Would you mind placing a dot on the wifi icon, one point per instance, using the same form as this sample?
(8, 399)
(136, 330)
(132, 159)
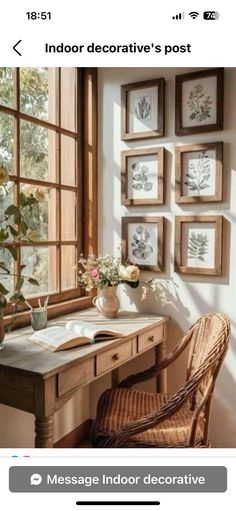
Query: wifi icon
(194, 14)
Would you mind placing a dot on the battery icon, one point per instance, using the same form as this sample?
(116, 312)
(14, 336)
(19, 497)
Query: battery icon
(210, 15)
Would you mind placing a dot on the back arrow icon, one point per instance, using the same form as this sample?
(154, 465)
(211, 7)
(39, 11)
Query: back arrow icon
(14, 47)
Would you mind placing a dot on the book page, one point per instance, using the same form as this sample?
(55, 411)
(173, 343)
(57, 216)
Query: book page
(90, 330)
(54, 336)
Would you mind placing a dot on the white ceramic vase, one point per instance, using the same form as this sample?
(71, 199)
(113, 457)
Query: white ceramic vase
(107, 302)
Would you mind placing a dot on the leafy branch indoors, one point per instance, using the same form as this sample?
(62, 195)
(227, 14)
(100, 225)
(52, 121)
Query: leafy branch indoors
(14, 228)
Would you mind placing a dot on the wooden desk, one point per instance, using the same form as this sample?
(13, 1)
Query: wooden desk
(40, 382)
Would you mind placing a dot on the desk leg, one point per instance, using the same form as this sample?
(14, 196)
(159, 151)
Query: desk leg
(44, 431)
(161, 380)
(114, 378)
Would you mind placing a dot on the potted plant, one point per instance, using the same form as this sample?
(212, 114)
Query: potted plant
(14, 227)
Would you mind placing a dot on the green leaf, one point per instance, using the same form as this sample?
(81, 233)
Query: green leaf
(23, 227)
(32, 281)
(17, 218)
(3, 235)
(4, 267)
(19, 283)
(12, 230)
(17, 297)
(12, 251)
(11, 210)
(3, 290)
(22, 199)
(3, 301)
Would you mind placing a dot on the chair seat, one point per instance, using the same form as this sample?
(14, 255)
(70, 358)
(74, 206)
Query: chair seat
(118, 407)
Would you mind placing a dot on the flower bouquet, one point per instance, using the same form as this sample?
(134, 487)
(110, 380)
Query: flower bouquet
(105, 273)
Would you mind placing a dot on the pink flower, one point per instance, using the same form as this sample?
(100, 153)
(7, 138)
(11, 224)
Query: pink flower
(94, 273)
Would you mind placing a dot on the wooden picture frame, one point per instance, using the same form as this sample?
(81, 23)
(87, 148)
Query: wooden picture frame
(199, 102)
(199, 173)
(142, 109)
(198, 239)
(143, 242)
(142, 175)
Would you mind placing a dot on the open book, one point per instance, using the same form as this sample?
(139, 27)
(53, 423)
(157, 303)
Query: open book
(74, 333)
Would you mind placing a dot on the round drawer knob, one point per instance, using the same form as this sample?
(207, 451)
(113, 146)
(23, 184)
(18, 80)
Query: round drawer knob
(151, 338)
(115, 357)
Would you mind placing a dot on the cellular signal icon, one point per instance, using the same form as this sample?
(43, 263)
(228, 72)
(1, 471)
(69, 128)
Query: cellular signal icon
(179, 16)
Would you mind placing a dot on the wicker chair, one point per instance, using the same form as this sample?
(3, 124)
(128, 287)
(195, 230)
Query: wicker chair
(131, 418)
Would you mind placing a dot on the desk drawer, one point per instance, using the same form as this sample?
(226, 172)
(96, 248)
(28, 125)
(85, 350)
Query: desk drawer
(74, 377)
(113, 357)
(152, 337)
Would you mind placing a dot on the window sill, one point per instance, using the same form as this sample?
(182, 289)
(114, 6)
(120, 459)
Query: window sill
(59, 309)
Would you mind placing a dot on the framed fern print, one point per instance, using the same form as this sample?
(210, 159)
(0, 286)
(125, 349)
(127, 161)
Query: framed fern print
(142, 242)
(142, 174)
(199, 103)
(198, 244)
(142, 109)
(198, 173)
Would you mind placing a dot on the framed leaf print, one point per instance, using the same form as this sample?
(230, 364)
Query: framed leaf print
(142, 109)
(198, 244)
(142, 242)
(142, 176)
(199, 103)
(198, 173)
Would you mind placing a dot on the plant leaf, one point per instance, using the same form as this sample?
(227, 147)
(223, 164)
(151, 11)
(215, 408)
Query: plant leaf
(12, 230)
(12, 251)
(11, 210)
(4, 267)
(17, 217)
(19, 283)
(3, 301)
(3, 290)
(32, 281)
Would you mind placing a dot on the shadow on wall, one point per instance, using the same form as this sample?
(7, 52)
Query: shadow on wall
(162, 297)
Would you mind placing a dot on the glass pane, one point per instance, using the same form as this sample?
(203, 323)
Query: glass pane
(7, 86)
(6, 142)
(5, 279)
(68, 98)
(37, 152)
(40, 264)
(68, 215)
(42, 218)
(68, 160)
(38, 97)
(68, 268)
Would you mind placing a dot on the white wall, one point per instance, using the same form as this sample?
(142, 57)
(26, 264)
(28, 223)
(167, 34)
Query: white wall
(183, 298)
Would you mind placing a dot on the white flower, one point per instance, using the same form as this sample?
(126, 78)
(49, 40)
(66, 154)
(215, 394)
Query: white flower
(130, 272)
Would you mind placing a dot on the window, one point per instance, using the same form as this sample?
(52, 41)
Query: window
(41, 145)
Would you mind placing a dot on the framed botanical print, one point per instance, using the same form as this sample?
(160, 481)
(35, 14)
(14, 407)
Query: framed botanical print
(142, 176)
(198, 244)
(142, 242)
(199, 102)
(142, 109)
(198, 173)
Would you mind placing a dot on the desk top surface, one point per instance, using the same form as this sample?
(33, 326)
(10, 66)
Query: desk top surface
(26, 357)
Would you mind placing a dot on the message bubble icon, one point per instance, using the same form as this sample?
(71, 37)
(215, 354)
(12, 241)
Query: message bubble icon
(36, 479)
